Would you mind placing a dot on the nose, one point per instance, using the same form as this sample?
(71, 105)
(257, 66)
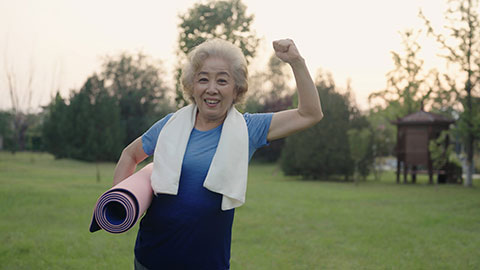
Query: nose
(212, 89)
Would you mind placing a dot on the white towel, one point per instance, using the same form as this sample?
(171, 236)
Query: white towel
(228, 171)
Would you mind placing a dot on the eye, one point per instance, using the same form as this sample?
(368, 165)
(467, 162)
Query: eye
(222, 81)
(203, 80)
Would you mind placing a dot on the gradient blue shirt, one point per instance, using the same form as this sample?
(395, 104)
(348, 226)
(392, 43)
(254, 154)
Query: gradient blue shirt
(189, 230)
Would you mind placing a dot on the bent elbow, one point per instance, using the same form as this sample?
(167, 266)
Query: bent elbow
(318, 117)
(312, 118)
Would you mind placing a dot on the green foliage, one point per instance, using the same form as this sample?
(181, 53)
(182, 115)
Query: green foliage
(360, 142)
(322, 150)
(462, 51)
(56, 122)
(5, 123)
(408, 87)
(444, 158)
(18, 124)
(107, 144)
(135, 81)
(384, 137)
(227, 20)
(111, 110)
(441, 151)
(384, 133)
(6, 130)
(89, 128)
(469, 121)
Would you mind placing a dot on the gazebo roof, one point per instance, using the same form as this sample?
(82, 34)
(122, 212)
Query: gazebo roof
(423, 118)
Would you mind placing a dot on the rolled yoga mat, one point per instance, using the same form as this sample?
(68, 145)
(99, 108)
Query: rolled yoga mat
(119, 208)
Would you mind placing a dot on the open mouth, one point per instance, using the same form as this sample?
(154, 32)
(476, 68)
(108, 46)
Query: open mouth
(211, 102)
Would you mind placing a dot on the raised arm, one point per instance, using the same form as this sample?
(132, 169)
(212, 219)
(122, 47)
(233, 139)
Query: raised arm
(131, 156)
(309, 111)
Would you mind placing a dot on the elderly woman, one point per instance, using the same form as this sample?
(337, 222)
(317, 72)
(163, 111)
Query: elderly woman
(201, 155)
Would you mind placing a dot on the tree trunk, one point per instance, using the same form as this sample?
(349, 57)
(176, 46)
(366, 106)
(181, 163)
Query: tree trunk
(469, 180)
(468, 88)
(98, 172)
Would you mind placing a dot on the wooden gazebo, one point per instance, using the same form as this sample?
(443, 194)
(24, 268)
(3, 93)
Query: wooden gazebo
(414, 133)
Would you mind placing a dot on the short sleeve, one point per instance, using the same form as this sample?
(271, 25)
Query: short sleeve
(150, 137)
(258, 125)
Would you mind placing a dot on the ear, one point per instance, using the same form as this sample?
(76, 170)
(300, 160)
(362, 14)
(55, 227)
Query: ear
(235, 94)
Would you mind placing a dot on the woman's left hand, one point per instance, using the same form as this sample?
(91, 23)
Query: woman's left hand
(309, 110)
(286, 50)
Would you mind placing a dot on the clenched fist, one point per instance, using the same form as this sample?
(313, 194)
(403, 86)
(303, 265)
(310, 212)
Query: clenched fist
(286, 50)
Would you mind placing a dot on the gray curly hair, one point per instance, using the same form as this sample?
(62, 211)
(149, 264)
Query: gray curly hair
(224, 50)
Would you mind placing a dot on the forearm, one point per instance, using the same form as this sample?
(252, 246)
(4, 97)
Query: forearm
(125, 167)
(308, 99)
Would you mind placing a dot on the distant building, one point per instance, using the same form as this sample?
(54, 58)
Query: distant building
(414, 133)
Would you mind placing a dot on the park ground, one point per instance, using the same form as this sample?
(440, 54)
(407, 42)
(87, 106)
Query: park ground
(286, 223)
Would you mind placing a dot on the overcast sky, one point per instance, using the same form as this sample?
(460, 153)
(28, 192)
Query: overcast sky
(63, 41)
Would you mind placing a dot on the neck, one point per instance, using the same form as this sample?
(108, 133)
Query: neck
(204, 123)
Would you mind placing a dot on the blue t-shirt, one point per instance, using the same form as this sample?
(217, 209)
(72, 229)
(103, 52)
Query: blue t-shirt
(189, 230)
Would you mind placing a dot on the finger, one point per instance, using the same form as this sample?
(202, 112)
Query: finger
(281, 45)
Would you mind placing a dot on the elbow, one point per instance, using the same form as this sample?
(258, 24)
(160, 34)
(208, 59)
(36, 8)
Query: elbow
(317, 117)
(320, 116)
(128, 155)
(125, 154)
(312, 117)
(314, 114)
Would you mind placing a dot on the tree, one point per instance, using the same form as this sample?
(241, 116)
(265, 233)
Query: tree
(89, 128)
(6, 129)
(55, 127)
(359, 142)
(111, 109)
(227, 20)
(135, 81)
(384, 137)
(408, 87)
(98, 131)
(21, 100)
(322, 150)
(462, 50)
(444, 158)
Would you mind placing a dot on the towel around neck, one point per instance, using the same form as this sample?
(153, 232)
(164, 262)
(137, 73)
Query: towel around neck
(228, 171)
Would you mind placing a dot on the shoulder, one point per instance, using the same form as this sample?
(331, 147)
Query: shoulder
(161, 123)
(258, 125)
(149, 138)
(255, 119)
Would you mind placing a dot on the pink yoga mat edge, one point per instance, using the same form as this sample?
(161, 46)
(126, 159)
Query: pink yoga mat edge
(134, 195)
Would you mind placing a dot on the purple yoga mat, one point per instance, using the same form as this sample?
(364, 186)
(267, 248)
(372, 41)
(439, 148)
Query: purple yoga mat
(119, 208)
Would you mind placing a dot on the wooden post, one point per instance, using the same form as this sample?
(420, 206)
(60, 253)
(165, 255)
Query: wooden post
(398, 170)
(414, 174)
(430, 172)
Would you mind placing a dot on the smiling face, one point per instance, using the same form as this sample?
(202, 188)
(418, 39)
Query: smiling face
(213, 91)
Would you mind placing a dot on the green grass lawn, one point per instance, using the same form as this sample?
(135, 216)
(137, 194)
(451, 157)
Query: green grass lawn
(287, 223)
